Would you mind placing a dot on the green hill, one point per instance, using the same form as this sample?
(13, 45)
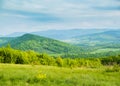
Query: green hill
(41, 44)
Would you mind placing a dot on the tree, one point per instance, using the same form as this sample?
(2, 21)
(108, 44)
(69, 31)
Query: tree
(59, 61)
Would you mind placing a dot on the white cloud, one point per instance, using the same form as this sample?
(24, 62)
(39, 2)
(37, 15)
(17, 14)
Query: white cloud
(73, 13)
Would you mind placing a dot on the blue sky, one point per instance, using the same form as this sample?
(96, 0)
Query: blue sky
(37, 15)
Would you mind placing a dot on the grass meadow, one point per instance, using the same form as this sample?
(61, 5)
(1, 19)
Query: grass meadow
(38, 75)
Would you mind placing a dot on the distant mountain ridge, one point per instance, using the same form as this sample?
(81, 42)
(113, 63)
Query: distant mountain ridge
(98, 39)
(61, 34)
(16, 34)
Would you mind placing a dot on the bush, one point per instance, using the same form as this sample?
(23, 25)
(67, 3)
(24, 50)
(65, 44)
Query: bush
(115, 68)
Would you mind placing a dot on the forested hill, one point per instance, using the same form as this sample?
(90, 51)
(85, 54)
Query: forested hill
(41, 44)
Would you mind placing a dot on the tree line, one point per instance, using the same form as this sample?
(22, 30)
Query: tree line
(10, 55)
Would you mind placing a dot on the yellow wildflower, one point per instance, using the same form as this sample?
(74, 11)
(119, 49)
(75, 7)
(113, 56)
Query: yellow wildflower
(41, 76)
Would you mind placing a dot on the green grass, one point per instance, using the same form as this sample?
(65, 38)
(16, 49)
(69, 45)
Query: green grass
(27, 75)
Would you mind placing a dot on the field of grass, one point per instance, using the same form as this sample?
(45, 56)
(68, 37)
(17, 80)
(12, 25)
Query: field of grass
(37, 75)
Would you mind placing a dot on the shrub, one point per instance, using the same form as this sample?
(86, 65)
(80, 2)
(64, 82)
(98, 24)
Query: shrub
(115, 68)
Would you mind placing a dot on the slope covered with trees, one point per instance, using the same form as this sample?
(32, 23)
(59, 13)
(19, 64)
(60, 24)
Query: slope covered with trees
(5, 39)
(41, 44)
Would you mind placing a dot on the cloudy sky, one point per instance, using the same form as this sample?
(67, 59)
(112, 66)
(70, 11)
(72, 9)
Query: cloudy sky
(36, 15)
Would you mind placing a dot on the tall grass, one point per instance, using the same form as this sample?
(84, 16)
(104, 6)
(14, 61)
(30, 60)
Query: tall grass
(37, 75)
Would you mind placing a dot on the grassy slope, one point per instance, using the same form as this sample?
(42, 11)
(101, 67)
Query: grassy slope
(25, 75)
